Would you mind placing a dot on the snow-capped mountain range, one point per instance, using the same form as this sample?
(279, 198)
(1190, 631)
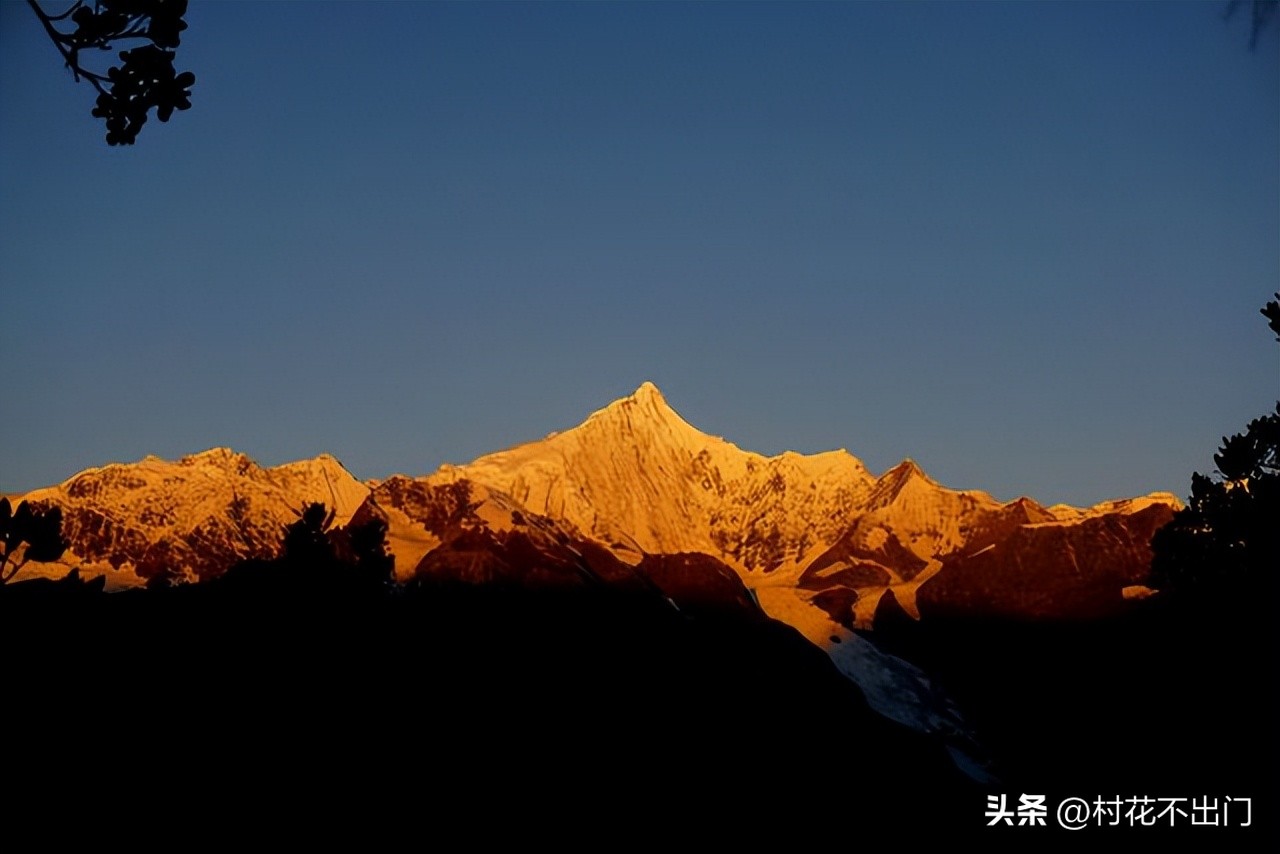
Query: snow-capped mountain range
(637, 479)
(821, 542)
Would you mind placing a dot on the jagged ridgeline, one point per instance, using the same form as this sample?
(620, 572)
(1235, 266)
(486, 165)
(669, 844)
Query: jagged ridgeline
(820, 540)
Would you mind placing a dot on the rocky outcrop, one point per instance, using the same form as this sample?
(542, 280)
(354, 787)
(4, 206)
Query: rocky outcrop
(1059, 570)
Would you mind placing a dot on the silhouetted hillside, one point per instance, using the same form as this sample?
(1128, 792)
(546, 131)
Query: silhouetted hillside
(1171, 699)
(569, 699)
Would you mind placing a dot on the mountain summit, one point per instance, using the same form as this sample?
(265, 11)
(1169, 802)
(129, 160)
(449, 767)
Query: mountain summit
(638, 477)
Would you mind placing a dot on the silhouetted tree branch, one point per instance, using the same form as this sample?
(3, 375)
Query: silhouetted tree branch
(1260, 14)
(145, 79)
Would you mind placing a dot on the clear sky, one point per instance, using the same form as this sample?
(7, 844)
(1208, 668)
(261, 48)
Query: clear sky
(1024, 244)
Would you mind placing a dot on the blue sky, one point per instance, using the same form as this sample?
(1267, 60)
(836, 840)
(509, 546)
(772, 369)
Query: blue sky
(1024, 244)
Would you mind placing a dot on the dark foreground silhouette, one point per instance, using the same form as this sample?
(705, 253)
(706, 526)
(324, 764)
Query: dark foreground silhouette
(310, 695)
(494, 709)
(1174, 698)
(346, 704)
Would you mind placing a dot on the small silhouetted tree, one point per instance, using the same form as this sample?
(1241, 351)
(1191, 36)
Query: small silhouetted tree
(1227, 538)
(145, 79)
(363, 547)
(30, 533)
(315, 557)
(306, 541)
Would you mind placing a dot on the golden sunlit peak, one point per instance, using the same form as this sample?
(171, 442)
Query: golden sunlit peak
(647, 398)
(907, 467)
(647, 391)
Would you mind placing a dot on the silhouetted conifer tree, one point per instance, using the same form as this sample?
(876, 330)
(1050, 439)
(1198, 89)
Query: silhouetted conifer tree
(306, 541)
(1227, 539)
(316, 558)
(364, 548)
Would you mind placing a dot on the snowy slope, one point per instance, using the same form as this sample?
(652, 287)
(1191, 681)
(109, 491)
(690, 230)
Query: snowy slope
(190, 518)
(639, 478)
(467, 533)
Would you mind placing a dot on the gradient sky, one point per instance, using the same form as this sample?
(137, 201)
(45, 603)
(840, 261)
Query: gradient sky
(1024, 244)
